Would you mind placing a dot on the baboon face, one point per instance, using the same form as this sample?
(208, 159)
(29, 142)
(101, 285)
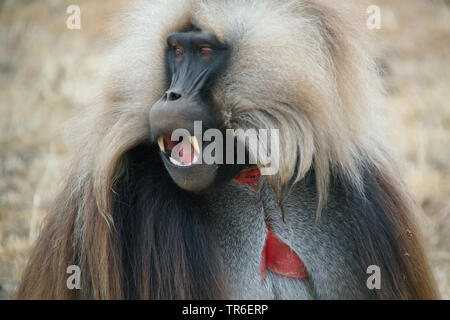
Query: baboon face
(194, 59)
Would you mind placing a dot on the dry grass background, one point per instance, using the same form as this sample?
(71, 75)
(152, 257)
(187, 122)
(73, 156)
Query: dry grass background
(47, 74)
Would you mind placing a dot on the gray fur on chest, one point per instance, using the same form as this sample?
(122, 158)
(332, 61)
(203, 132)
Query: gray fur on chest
(237, 217)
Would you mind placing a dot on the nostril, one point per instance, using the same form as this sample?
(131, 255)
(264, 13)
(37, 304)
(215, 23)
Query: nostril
(172, 96)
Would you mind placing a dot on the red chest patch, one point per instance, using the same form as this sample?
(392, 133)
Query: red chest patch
(276, 255)
(279, 258)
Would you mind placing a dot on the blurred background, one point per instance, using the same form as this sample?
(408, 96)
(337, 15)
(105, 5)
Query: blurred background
(48, 74)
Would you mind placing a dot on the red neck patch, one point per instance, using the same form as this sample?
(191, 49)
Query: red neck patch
(249, 176)
(276, 255)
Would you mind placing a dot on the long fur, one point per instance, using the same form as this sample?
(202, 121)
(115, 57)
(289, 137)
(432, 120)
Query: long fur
(387, 237)
(299, 66)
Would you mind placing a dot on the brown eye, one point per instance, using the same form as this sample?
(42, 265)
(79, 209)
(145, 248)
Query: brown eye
(205, 50)
(179, 51)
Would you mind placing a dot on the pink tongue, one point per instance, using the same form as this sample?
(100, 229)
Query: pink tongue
(186, 152)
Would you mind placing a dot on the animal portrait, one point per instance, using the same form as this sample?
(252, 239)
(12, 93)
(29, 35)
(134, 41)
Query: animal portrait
(141, 219)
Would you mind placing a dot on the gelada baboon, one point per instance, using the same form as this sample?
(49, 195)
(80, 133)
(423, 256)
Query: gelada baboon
(142, 224)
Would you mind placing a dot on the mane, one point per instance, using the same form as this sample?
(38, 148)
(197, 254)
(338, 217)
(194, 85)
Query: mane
(325, 100)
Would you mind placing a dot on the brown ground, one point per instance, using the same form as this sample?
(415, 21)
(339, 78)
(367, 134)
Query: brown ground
(47, 73)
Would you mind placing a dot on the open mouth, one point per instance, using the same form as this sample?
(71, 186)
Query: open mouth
(182, 153)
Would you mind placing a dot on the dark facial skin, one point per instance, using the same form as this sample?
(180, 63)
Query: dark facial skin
(194, 60)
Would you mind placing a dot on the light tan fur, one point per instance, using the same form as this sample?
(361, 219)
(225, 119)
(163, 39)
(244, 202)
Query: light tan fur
(298, 66)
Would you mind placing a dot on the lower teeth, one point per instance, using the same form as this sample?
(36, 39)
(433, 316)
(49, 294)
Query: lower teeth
(175, 162)
(180, 164)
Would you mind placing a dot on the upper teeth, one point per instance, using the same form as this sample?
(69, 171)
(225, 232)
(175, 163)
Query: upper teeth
(194, 142)
(161, 144)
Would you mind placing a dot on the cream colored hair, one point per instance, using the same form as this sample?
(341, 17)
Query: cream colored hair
(297, 66)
